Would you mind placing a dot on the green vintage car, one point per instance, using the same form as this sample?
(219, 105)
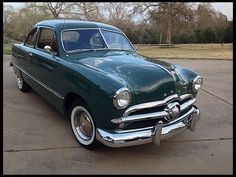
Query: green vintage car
(112, 95)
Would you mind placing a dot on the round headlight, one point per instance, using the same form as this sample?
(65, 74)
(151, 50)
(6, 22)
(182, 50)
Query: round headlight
(197, 83)
(122, 98)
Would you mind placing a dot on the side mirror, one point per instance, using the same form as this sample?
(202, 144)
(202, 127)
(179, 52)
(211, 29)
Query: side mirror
(48, 49)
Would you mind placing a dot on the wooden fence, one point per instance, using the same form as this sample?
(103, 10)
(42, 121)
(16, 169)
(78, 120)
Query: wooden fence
(194, 46)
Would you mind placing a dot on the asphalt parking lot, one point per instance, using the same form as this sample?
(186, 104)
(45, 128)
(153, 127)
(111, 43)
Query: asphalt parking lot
(37, 139)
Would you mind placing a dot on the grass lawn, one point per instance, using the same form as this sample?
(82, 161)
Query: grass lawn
(183, 51)
(7, 47)
(6, 50)
(188, 51)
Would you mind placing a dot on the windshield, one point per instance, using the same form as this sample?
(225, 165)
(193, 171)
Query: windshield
(90, 39)
(82, 39)
(116, 40)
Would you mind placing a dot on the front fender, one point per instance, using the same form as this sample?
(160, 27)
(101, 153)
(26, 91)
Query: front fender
(97, 89)
(185, 77)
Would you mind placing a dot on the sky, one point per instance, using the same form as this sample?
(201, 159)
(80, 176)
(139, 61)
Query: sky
(224, 7)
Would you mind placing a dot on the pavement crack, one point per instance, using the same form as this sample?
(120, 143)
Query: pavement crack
(213, 139)
(40, 149)
(56, 148)
(217, 97)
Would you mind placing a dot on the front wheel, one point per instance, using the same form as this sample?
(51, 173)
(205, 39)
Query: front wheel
(83, 126)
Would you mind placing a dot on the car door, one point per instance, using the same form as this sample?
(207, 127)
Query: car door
(42, 63)
(25, 54)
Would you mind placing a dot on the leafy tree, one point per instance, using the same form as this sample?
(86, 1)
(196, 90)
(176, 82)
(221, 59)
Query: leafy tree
(208, 36)
(228, 37)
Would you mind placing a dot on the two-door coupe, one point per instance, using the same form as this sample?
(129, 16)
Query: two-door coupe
(92, 73)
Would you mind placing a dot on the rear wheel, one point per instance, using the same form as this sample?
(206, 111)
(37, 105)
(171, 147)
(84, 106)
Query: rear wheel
(82, 125)
(21, 84)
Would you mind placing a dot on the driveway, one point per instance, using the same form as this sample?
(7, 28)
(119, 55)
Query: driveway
(37, 139)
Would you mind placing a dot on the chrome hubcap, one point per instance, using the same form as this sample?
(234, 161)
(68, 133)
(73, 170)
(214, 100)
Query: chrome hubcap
(83, 124)
(19, 82)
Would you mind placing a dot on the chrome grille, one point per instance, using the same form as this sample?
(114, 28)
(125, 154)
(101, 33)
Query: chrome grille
(149, 113)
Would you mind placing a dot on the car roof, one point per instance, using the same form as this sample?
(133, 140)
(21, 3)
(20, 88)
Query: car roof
(70, 24)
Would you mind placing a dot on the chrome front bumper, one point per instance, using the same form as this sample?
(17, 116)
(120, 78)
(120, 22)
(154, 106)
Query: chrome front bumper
(123, 138)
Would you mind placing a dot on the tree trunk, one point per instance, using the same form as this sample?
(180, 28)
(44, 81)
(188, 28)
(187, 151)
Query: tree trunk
(55, 15)
(168, 31)
(169, 23)
(160, 38)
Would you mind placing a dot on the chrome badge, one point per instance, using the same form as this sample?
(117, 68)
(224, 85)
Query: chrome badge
(173, 110)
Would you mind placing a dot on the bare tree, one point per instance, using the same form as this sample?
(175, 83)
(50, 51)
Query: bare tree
(87, 11)
(7, 11)
(118, 13)
(166, 12)
(58, 8)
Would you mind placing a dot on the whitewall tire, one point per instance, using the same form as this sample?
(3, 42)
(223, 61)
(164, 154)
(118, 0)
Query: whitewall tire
(82, 125)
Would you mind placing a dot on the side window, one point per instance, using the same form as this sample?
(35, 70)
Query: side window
(31, 38)
(47, 37)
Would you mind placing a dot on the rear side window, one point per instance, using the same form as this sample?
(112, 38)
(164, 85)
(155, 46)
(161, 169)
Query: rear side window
(47, 37)
(31, 38)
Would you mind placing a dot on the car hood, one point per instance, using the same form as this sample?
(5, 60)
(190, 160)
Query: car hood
(148, 79)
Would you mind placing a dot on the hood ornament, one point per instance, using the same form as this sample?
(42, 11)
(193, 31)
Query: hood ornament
(177, 76)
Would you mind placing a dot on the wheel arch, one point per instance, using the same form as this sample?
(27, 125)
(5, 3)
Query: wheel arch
(70, 98)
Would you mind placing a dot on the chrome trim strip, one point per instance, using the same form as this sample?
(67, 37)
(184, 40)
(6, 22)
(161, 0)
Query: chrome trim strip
(42, 84)
(123, 140)
(143, 106)
(149, 105)
(155, 134)
(187, 104)
(133, 130)
(185, 96)
(140, 117)
(162, 67)
(103, 37)
(171, 97)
